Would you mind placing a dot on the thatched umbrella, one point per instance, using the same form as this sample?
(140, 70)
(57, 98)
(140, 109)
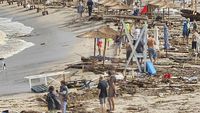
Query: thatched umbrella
(108, 3)
(111, 34)
(120, 7)
(111, 4)
(107, 29)
(95, 34)
(103, 2)
(154, 1)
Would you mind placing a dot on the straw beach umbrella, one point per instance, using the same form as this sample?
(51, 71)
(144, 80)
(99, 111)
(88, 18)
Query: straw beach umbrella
(111, 34)
(112, 4)
(103, 2)
(120, 7)
(108, 3)
(95, 34)
(107, 29)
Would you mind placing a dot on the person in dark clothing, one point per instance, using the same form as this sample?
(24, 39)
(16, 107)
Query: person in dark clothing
(139, 50)
(52, 100)
(102, 86)
(118, 43)
(111, 90)
(90, 5)
(128, 53)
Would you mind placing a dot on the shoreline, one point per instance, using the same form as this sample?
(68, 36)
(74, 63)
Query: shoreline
(53, 55)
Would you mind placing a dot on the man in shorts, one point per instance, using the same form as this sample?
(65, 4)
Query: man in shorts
(151, 50)
(102, 86)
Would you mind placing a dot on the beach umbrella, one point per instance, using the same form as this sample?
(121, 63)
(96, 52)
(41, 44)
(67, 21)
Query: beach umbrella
(93, 34)
(109, 31)
(97, 34)
(120, 7)
(166, 38)
(112, 4)
(108, 3)
(111, 34)
(103, 2)
(152, 2)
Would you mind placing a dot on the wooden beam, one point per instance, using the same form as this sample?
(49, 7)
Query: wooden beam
(126, 17)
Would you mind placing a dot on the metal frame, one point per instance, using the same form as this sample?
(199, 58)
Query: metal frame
(134, 55)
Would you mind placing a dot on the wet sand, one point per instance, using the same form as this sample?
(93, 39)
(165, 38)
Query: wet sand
(59, 46)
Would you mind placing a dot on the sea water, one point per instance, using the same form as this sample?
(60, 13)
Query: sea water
(11, 37)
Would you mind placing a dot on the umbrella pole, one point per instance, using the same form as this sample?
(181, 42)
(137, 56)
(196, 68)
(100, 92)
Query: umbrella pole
(95, 46)
(104, 51)
(166, 52)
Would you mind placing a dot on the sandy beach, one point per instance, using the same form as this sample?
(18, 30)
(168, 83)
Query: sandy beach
(60, 46)
(56, 46)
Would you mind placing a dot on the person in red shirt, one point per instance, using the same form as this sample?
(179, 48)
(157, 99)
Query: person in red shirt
(99, 45)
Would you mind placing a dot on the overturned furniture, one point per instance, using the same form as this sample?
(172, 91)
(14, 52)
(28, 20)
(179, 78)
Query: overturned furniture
(41, 86)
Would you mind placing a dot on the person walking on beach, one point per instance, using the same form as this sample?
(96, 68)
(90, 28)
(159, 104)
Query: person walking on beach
(99, 45)
(52, 101)
(186, 30)
(128, 53)
(63, 96)
(118, 43)
(80, 8)
(195, 26)
(102, 86)
(3, 65)
(90, 6)
(111, 91)
(151, 48)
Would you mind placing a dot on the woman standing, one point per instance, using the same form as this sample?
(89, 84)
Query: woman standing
(111, 91)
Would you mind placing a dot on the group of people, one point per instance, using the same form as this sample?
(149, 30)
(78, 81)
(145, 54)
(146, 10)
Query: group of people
(187, 26)
(81, 8)
(107, 89)
(57, 100)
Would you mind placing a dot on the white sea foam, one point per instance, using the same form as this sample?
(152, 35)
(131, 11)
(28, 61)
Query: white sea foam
(2, 37)
(10, 44)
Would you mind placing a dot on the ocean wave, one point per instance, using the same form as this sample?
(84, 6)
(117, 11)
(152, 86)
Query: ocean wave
(10, 44)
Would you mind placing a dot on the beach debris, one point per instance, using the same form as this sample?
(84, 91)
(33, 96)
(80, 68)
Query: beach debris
(191, 80)
(187, 13)
(167, 76)
(30, 112)
(45, 13)
(5, 111)
(77, 83)
(39, 88)
(181, 59)
(137, 108)
(43, 43)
